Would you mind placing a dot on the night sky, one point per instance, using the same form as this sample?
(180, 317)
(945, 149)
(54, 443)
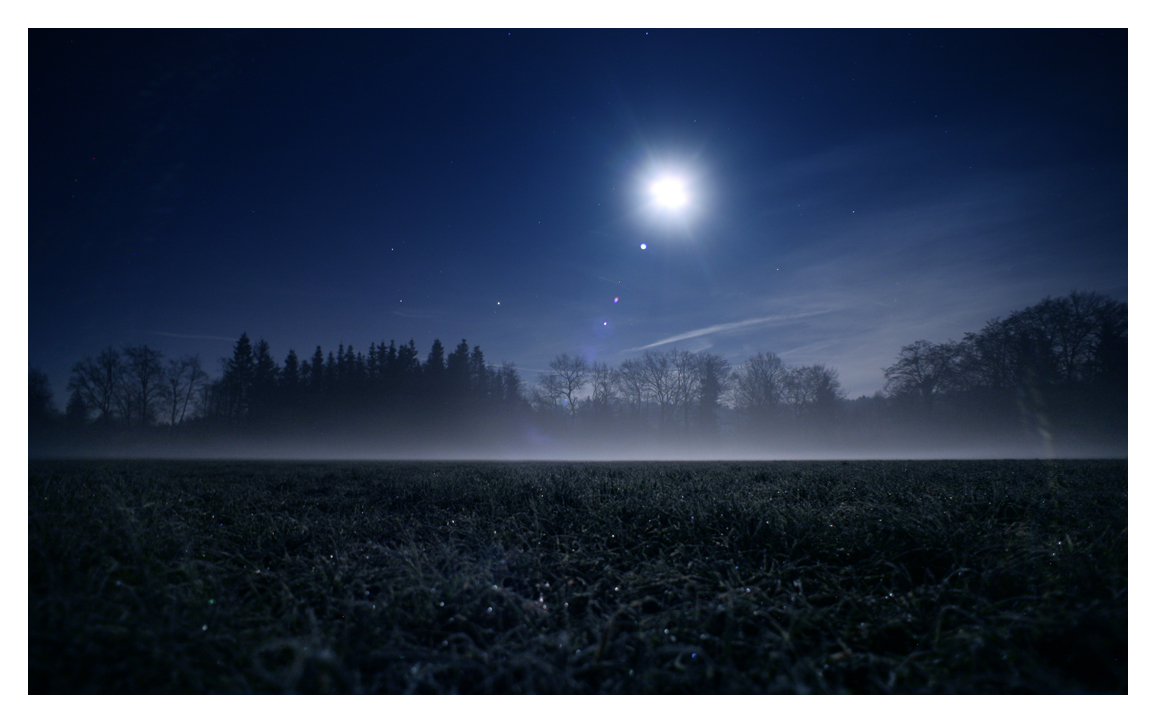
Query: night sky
(847, 192)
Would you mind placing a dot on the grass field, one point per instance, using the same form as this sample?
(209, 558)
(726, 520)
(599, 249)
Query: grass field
(864, 577)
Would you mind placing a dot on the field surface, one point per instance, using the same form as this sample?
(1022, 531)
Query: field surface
(863, 577)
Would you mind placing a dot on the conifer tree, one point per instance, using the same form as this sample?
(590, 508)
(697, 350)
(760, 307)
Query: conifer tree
(290, 373)
(265, 374)
(458, 371)
(238, 379)
(317, 371)
(435, 361)
(331, 375)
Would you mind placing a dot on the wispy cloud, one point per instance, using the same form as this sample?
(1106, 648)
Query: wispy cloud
(729, 327)
(193, 336)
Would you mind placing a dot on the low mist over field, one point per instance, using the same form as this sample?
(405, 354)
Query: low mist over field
(601, 451)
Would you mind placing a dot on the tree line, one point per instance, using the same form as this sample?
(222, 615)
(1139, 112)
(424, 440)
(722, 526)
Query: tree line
(1057, 368)
(683, 393)
(134, 388)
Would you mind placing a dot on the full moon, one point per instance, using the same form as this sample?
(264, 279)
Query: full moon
(669, 192)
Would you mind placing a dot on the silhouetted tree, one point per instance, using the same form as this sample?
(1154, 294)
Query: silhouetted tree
(330, 375)
(435, 364)
(237, 379)
(562, 384)
(925, 371)
(409, 372)
(98, 381)
(631, 383)
(390, 373)
(827, 394)
(458, 373)
(511, 384)
(76, 414)
(813, 392)
(342, 371)
(265, 374)
(759, 387)
(317, 372)
(482, 379)
(290, 374)
(40, 408)
(714, 382)
(143, 384)
(602, 399)
(684, 383)
(1060, 359)
(182, 382)
(660, 383)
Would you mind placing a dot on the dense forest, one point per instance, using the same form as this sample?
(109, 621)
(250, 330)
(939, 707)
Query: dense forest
(1049, 379)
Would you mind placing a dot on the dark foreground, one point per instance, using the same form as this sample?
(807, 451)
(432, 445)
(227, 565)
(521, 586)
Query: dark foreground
(937, 577)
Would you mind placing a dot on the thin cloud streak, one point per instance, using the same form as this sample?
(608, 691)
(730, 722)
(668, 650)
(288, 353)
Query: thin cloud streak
(727, 327)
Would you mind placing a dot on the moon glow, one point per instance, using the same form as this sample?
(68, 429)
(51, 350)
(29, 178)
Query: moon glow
(669, 192)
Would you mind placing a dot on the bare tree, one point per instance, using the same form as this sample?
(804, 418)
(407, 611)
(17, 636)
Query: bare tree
(797, 390)
(631, 383)
(826, 391)
(567, 376)
(659, 381)
(183, 381)
(684, 382)
(815, 388)
(143, 383)
(98, 382)
(759, 385)
(603, 387)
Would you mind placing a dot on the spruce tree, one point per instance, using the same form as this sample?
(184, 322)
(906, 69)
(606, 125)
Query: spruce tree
(265, 373)
(239, 371)
(290, 373)
(317, 371)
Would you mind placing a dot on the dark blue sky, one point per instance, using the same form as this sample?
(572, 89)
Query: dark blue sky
(850, 191)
